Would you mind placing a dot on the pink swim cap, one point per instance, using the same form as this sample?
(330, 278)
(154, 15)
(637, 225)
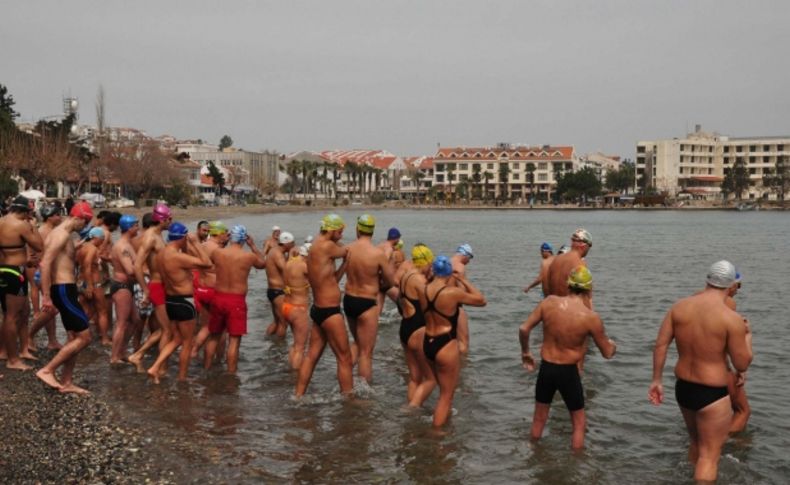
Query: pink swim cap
(161, 213)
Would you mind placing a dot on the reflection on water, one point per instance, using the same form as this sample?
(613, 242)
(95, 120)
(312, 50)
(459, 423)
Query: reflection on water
(247, 428)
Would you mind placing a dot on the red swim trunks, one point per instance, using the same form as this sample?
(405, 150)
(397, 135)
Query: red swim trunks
(156, 293)
(204, 296)
(229, 311)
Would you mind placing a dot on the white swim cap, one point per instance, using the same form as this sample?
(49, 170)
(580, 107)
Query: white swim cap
(308, 239)
(303, 250)
(721, 274)
(286, 237)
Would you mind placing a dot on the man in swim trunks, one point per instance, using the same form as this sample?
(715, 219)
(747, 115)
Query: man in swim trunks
(273, 241)
(205, 281)
(547, 255)
(463, 255)
(275, 265)
(127, 319)
(737, 384)
(706, 332)
(563, 264)
(229, 309)
(145, 310)
(175, 261)
(297, 299)
(51, 217)
(16, 233)
(58, 288)
(328, 324)
(567, 322)
(368, 267)
(390, 250)
(153, 289)
(103, 305)
(88, 263)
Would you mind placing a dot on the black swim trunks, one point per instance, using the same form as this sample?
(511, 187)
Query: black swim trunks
(560, 377)
(66, 299)
(273, 293)
(180, 308)
(319, 315)
(12, 283)
(118, 286)
(431, 345)
(354, 306)
(693, 396)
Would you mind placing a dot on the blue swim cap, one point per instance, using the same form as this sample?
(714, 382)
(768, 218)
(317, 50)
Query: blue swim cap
(85, 230)
(442, 266)
(465, 250)
(127, 222)
(393, 233)
(238, 234)
(96, 232)
(176, 231)
(546, 247)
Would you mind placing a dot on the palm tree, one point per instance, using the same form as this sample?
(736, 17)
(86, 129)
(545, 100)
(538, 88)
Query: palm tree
(487, 176)
(504, 172)
(292, 169)
(416, 177)
(476, 177)
(531, 179)
(335, 176)
(450, 175)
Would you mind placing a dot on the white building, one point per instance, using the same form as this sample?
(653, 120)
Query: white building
(247, 170)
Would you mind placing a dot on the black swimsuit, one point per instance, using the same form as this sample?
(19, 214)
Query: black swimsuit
(431, 345)
(354, 306)
(693, 396)
(320, 314)
(409, 325)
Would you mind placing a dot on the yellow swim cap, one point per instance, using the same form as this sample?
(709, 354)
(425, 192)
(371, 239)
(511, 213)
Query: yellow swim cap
(421, 255)
(332, 222)
(580, 279)
(215, 228)
(366, 223)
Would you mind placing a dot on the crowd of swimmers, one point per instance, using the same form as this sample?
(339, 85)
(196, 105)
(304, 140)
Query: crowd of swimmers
(189, 289)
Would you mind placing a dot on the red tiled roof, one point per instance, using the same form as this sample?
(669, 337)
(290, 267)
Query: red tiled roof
(512, 153)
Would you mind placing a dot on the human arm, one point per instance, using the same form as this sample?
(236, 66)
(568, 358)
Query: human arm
(139, 262)
(197, 257)
(604, 343)
(260, 259)
(387, 271)
(739, 344)
(32, 238)
(665, 336)
(470, 295)
(127, 260)
(341, 270)
(534, 283)
(56, 243)
(534, 318)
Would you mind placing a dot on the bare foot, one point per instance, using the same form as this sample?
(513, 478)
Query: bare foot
(162, 372)
(153, 375)
(18, 365)
(49, 379)
(28, 356)
(117, 361)
(74, 389)
(137, 361)
(106, 342)
(54, 346)
(31, 348)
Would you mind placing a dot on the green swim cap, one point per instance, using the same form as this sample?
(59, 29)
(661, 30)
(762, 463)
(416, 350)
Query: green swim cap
(332, 222)
(215, 228)
(366, 223)
(580, 279)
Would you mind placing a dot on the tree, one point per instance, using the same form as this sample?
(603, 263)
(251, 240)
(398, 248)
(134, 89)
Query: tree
(504, 174)
(225, 142)
(487, 177)
(217, 178)
(621, 179)
(778, 179)
(741, 178)
(7, 113)
(728, 184)
(416, 177)
(476, 179)
(582, 184)
(450, 177)
(531, 180)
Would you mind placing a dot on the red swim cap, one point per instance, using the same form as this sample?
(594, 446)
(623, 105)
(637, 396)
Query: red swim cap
(83, 211)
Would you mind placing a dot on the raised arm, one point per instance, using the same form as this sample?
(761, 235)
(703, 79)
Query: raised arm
(260, 259)
(534, 318)
(340, 252)
(470, 294)
(32, 238)
(197, 258)
(665, 336)
(739, 344)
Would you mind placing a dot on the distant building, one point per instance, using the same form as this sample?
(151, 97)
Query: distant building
(247, 171)
(696, 165)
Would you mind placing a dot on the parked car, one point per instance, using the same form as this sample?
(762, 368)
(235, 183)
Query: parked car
(95, 200)
(121, 203)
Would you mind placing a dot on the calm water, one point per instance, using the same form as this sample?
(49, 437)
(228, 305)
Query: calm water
(248, 429)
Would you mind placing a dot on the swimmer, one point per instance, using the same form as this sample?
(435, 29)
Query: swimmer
(737, 384)
(547, 253)
(296, 303)
(108, 224)
(206, 279)
(705, 331)
(229, 309)
(567, 322)
(273, 241)
(127, 319)
(17, 232)
(275, 292)
(563, 249)
(389, 247)
(203, 231)
(463, 255)
(59, 289)
(175, 261)
(563, 264)
(51, 217)
(368, 267)
(88, 264)
(328, 324)
(441, 302)
(412, 326)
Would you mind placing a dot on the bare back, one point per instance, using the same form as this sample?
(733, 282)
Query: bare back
(15, 235)
(558, 272)
(366, 263)
(232, 268)
(60, 248)
(275, 263)
(567, 323)
(152, 243)
(297, 287)
(321, 271)
(122, 257)
(208, 277)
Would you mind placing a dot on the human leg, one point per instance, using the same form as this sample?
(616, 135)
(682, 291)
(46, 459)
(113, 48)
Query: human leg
(447, 369)
(713, 426)
(123, 311)
(300, 328)
(335, 331)
(14, 310)
(317, 346)
(233, 353)
(740, 404)
(83, 339)
(463, 331)
(102, 315)
(425, 380)
(187, 332)
(365, 338)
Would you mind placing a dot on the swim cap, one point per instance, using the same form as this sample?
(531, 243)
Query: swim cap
(127, 222)
(546, 247)
(20, 203)
(399, 244)
(275, 228)
(304, 249)
(238, 234)
(721, 274)
(161, 212)
(465, 250)
(176, 232)
(421, 255)
(394, 233)
(581, 279)
(96, 232)
(442, 266)
(286, 237)
(85, 231)
(83, 211)
(215, 228)
(48, 211)
(308, 246)
(332, 222)
(564, 249)
(308, 239)
(366, 223)
(583, 236)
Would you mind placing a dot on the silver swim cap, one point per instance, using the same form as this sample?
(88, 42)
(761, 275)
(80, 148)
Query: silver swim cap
(721, 274)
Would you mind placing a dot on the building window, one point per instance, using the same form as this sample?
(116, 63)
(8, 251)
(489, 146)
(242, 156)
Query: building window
(490, 166)
(726, 149)
(516, 176)
(543, 165)
(514, 165)
(640, 149)
(463, 177)
(440, 167)
(752, 148)
(752, 159)
(543, 177)
(439, 178)
(780, 148)
(450, 166)
(463, 166)
(475, 166)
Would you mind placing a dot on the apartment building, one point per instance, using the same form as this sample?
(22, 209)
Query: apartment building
(253, 169)
(696, 165)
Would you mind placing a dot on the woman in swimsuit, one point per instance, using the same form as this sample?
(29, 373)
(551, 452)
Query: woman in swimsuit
(440, 303)
(412, 327)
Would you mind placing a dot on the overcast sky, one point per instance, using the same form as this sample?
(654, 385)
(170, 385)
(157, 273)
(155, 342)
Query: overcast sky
(406, 75)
